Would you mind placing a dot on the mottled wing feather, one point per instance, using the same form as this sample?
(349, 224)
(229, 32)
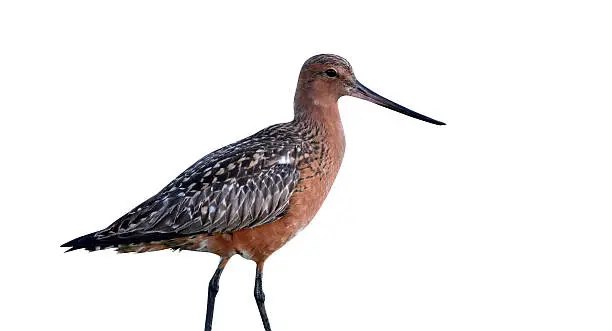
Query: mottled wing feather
(241, 186)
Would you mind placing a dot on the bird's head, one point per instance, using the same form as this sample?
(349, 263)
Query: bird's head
(325, 78)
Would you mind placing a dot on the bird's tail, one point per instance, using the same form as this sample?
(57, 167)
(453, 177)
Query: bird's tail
(91, 243)
(88, 242)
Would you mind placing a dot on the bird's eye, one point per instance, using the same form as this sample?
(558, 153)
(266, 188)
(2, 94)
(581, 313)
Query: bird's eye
(331, 73)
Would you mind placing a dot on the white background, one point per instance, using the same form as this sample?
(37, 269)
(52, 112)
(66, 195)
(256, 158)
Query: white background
(499, 221)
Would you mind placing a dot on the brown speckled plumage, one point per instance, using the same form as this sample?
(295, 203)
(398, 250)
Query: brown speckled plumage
(241, 186)
(251, 197)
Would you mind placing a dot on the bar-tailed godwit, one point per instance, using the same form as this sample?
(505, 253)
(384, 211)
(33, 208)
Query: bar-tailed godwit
(251, 197)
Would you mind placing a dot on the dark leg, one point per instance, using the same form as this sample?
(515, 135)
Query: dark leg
(260, 297)
(213, 289)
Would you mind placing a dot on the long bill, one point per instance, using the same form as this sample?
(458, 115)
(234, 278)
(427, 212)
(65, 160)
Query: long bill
(365, 93)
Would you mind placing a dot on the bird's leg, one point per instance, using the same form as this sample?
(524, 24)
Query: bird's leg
(260, 297)
(213, 288)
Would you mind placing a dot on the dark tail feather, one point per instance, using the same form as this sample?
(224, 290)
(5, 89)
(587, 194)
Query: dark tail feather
(91, 243)
(88, 242)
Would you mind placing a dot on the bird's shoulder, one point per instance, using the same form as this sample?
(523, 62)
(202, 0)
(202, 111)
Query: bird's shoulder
(251, 155)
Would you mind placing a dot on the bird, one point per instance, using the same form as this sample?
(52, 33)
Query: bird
(251, 197)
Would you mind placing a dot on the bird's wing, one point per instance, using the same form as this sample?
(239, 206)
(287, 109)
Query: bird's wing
(235, 188)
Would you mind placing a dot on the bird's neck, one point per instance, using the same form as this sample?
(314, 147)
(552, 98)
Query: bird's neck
(320, 111)
(316, 106)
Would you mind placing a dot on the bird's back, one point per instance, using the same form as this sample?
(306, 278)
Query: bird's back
(240, 186)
